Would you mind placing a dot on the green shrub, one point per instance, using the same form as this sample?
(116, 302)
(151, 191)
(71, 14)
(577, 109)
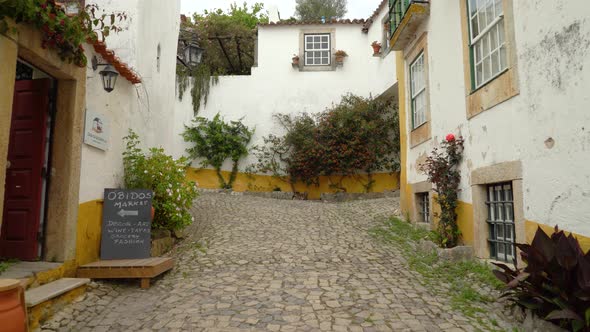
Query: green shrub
(166, 176)
(555, 284)
(358, 135)
(216, 141)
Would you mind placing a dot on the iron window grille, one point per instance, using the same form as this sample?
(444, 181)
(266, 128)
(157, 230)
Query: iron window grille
(501, 222)
(397, 10)
(487, 40)
(418, 91)
(318, 50)
(424, 199)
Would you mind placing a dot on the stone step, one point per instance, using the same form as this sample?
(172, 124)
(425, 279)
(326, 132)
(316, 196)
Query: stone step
(52, 290)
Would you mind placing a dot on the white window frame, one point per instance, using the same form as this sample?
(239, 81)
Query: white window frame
(306, 51)
(489, 43)
(418, 89)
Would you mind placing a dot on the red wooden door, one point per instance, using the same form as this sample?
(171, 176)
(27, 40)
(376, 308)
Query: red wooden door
(24, 182)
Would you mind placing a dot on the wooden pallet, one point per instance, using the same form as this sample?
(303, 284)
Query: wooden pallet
(143, 269)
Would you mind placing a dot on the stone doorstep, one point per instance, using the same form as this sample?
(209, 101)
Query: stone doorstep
(52, 290)
(24, 270)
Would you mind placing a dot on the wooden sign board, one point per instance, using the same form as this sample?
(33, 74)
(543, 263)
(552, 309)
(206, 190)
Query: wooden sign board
(126, 224)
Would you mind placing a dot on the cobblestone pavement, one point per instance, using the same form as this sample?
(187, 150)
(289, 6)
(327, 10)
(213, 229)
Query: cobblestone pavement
(269, 265)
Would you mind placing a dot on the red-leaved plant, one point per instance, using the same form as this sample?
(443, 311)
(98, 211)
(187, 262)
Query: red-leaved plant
(555, 284)
(442, 168)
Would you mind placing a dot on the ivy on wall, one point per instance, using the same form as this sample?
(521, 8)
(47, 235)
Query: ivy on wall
(199, 79)
(216, 141)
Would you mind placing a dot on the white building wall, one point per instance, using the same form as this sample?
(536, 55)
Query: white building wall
(276, 87)
(146, 107)
(553, 48)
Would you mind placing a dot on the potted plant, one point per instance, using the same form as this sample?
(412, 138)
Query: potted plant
(376, 47)
(295, 60)
(340, 55)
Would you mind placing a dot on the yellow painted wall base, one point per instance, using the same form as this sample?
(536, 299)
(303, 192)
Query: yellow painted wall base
(89, 231)
(531, 227)
(207, 178)
(464, 220)
(45, 310)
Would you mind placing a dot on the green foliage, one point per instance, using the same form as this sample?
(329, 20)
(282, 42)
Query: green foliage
(314, 10)
(359, 135)
(6, 263)
(442, 169)
(465, 277)
(236, 26)
(231, 54)
(200, 81)
(63, 33)
(165, 176)
(555, 284)
(216, 141)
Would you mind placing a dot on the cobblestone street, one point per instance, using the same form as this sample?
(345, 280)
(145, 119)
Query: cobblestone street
(273, 265)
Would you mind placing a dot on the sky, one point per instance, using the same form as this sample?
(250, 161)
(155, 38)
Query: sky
(356, 8)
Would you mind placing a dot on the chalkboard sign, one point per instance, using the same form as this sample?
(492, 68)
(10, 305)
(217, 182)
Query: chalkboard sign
(126, 224)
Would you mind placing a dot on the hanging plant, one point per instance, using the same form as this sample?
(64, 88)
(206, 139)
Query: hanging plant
(65, 34)
(199, 79)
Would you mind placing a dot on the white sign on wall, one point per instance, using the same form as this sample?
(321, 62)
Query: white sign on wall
(96, 130)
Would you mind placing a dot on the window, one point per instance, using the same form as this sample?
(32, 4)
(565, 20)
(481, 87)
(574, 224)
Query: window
(418, 91)
(488, 45)
(424, 201)
(317, 50)
(501, 221)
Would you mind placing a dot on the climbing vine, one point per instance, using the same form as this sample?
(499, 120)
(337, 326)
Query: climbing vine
(61, 32)
(215, 141)
(442, 169)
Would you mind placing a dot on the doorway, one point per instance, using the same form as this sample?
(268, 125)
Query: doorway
(29, 146)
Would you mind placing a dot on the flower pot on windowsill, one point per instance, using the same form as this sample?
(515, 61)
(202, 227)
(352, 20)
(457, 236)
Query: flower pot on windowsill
(340, 55)
(376, 48)
(295, 62)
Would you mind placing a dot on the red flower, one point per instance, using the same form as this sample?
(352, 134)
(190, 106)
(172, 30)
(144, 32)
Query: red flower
(62, 23)
(450, 138)
(44, 6)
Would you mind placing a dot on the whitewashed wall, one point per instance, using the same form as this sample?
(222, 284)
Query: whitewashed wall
(276, 87)
(145, 108)
(553, 49)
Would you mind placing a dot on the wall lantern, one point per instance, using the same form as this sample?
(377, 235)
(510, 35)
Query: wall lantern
(193, 54)
(108, 74)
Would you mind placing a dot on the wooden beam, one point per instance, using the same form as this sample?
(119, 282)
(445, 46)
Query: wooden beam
(239, 53)
(226, 55)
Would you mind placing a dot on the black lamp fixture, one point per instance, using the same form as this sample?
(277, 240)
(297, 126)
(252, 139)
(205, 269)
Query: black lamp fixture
(193, 54)
(108, 74)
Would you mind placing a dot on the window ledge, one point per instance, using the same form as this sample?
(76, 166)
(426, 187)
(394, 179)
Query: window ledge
(420, 134)
(303, 68)
(494, 92)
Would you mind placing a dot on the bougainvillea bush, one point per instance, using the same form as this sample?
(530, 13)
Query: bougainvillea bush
(357, 136)
(442, 169)
(61, 32)
(166, 176)
(555, 284)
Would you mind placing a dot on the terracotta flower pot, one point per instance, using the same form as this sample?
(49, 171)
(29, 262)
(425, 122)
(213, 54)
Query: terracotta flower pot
(340, 59)
(12, 311)
(376, 48)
